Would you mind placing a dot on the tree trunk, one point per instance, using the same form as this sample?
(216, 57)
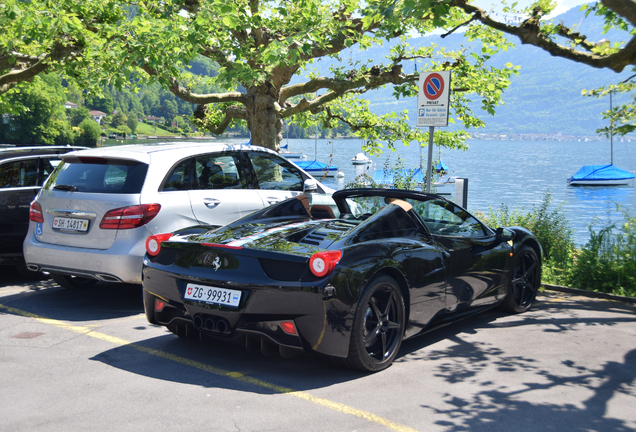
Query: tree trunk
(262, 117)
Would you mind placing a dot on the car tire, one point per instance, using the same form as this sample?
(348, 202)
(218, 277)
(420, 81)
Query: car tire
(73, 282)
(22, 269)
(378, 326)
(524, 283)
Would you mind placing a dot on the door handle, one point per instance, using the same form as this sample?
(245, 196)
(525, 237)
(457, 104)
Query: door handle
(211, 202)
(273, 200)
(445, 255)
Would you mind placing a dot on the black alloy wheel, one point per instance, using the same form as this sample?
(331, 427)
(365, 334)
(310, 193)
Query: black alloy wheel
(378, 326)
(73, 282)
(524, 282)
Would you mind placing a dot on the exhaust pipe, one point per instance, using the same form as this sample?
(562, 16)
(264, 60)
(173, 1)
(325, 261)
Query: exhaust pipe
(107, 278)
(197, 321)
(210, 324)
(222, 326)
(33, 267)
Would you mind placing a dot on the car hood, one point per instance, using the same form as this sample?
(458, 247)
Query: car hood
(302, 237)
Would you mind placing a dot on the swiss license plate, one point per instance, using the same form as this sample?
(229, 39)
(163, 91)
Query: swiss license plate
(70, 224)
(212, 295)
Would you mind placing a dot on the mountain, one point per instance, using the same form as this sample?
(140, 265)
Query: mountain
(544, 98)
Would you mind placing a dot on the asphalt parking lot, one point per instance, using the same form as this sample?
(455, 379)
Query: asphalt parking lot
(89, 361)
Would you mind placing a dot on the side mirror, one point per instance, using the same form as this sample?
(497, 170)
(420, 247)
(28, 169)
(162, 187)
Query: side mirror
(504, 234)
(310, 185)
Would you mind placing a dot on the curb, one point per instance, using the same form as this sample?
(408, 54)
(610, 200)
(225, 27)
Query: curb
(587, 293)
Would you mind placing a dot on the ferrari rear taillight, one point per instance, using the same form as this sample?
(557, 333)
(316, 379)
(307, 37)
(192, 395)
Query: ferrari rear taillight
(159, 305)
(153, 243)
(129, 217)
(323, 263)
(35, 212)
(288, 327)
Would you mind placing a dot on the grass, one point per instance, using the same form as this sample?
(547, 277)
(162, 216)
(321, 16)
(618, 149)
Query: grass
(153, 130)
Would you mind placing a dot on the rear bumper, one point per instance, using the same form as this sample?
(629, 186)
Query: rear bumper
(322, 323)
(119, 263)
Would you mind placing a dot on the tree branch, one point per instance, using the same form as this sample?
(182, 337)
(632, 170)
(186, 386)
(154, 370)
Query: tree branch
(337, 88)
(231, 113)
(529, 32)
(195, 98)
(369, 79)
(354, 127)
(33, 65)
(625, 8)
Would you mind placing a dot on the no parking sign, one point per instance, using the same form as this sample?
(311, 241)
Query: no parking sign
(433, 99)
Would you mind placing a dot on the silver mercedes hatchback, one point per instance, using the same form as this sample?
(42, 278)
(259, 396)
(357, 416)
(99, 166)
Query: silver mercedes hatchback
(91, 219)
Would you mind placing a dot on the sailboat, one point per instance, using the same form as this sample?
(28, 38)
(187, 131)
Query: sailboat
(440, 167)
(317, 168)
(602, 175)
(284, 152)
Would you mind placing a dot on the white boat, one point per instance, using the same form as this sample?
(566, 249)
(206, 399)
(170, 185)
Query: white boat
(600, 175)
(290, 155)
(361, 159)
(284, 152)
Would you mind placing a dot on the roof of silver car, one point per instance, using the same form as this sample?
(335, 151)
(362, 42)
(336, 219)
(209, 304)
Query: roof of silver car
(26, 151)
(142, 152)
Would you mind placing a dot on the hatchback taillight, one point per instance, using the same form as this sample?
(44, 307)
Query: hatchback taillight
(153, 243)
(129, 217)
(35, 212)
(323, 263)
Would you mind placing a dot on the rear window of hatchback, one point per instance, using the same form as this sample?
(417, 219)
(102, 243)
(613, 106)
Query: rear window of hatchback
(98, 175)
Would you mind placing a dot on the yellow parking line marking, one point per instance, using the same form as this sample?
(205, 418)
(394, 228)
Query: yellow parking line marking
(345, 409)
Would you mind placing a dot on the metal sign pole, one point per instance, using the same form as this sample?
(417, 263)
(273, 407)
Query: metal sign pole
(429, 166)
(611, 135)
(433, 103)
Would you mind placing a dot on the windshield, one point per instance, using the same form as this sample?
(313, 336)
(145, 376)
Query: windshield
(441, 217)
(98, 175)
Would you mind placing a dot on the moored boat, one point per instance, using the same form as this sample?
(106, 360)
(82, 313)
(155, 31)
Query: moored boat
(600, 175)
(361, 159)
(440, 167)
(317, 168)
(284, 152)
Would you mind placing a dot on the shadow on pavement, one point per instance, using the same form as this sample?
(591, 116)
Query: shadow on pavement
(493, 406)
(48, 299)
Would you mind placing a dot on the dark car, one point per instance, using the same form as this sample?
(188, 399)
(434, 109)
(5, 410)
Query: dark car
(22, 172)
(349, 281)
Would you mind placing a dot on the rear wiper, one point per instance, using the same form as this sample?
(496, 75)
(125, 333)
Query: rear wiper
(66, 187)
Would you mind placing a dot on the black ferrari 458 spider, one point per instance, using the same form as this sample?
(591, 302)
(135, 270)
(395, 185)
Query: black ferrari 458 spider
(348, 280)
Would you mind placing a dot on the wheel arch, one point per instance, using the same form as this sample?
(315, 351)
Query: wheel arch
(534, 244)
(526, 238)
(398, 277)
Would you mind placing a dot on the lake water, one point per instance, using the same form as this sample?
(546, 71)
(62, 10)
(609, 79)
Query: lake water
(515, 173)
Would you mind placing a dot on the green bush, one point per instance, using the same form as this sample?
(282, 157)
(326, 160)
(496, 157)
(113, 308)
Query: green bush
(550, 227)
(607, 262)
(90, 132)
